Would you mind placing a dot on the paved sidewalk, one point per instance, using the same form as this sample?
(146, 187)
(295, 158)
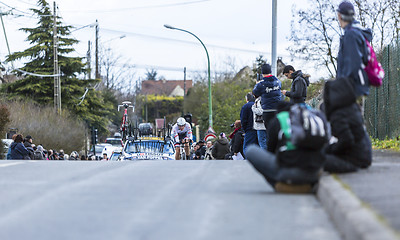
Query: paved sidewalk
(365, 204)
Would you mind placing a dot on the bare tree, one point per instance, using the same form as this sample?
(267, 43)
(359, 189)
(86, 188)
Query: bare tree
(116, 72)
(315, 32)
(395, 9)
(378, 16)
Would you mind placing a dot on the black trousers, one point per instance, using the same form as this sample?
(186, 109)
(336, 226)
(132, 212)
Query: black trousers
(266, 163)
(267, 116)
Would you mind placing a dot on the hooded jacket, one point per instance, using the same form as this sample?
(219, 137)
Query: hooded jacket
(298, 90)
(353, 52)
(270, 91)
(220, 148)
(347, 125)
(18, 151)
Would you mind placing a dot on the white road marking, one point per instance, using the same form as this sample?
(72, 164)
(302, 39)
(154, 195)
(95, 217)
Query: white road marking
(10, 164)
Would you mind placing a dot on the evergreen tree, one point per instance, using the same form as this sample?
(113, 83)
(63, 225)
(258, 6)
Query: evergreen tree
(40, 60)
(257, 68)
(151, 74)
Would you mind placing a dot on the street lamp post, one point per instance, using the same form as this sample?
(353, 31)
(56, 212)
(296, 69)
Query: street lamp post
(209, 77)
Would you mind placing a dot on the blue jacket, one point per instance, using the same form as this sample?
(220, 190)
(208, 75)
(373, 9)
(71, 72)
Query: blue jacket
(270, 91)
(353, 52)
(18, 151)
(246, 117)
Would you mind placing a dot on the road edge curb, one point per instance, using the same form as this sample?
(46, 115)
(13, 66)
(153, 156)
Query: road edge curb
(352, 218)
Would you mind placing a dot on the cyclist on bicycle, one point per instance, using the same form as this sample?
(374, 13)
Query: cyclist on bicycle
(181, 133)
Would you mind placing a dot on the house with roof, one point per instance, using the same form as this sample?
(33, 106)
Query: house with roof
(171, 88)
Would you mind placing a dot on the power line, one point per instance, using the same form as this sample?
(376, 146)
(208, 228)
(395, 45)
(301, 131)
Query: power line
(182, 41)
(27, 3)
(13, 8)
(144, 7)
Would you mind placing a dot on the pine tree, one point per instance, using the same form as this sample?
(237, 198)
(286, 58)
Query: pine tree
(40, 58)
(257, 68)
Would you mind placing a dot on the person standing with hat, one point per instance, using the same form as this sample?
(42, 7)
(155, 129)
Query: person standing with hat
(353, 50)
(269, 89)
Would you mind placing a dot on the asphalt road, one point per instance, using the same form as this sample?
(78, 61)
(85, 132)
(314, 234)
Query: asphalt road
(151, 200)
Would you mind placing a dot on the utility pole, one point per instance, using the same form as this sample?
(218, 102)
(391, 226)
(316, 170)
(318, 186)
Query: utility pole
(184, 89)
(274, 23)
(5, 34)
(97, 51)
(57, 85)
(89, 59)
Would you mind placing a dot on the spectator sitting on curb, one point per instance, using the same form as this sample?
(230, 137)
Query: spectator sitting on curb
(38, 154)
(291, 170)
(353, 147)
(221, 147)
(51, 155)
(208, 154)
(74, 155)
(8, 156)
(29, 145)
(18, 150)
(200, 151)
(61, 155)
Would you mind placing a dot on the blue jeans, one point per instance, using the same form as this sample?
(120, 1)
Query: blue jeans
(250, 137)
(267, 164)
(262, 138)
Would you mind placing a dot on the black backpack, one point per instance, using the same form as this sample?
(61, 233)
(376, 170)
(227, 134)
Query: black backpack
(303, 127)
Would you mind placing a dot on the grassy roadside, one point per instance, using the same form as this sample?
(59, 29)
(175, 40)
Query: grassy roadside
(389, 144)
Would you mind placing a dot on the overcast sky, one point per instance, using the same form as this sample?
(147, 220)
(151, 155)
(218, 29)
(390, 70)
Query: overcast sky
(234, 32)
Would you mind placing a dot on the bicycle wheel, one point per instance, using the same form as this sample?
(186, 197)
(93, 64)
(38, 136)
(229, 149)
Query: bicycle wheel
(183, 154)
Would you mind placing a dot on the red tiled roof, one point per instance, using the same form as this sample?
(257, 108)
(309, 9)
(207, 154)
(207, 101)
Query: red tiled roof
(163, 87)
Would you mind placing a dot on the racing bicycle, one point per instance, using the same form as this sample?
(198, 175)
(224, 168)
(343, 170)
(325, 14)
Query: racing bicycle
(125, 125)
(182, 151)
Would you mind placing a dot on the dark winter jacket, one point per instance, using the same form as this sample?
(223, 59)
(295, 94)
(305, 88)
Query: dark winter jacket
(18, 151)
(308, 160)
(29, 147)
(298, 90)
(270, 91)
(246, 117)
(353, 52)
(237, 142)
(201, 152)
(220, 148)
(347, 125)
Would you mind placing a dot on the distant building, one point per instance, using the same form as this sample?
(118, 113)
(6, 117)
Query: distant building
(171, 88)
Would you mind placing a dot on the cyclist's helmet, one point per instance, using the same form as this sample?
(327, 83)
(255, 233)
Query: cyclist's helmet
(181, 121)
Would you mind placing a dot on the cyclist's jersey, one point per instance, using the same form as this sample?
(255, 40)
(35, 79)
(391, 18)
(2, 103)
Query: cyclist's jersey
(178, 135)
